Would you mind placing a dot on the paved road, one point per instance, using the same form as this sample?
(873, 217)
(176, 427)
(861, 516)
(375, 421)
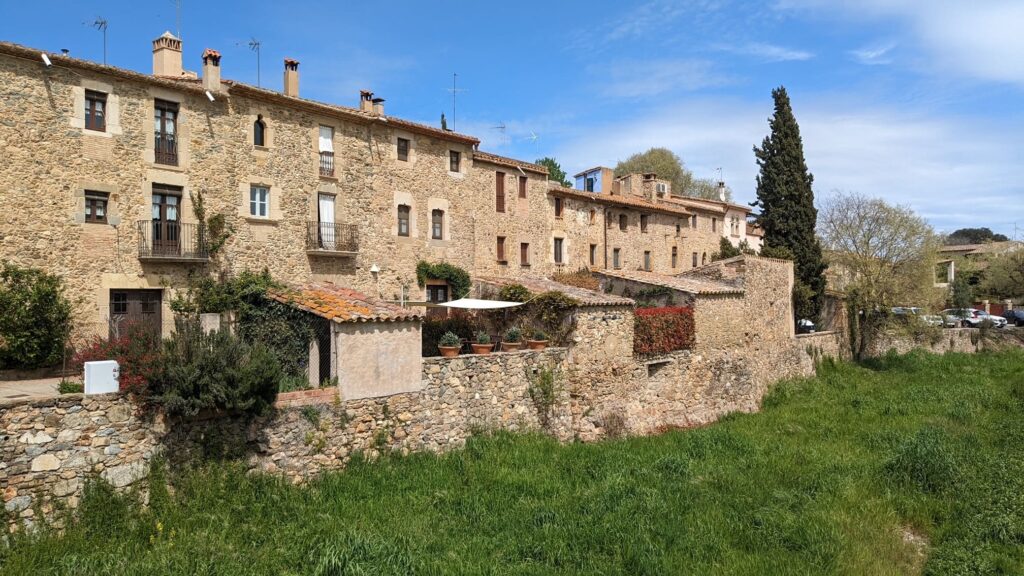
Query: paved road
(13, 390)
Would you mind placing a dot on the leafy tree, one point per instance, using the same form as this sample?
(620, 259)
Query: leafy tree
(1004, 277)
(974, 236)
(35, 317)
(885, 254)
(555, 172)
(961, 293)
(666, 164)
(786, 200)
(726, 250)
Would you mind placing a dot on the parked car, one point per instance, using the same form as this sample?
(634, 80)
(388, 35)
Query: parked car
(1016, 317)
(805, 326)
(906, 311)
(933, 319)
(965, 317)
(997, 321)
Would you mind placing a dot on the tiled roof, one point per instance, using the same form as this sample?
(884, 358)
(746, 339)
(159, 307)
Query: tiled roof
(691, 285)
(505, 161)
(707, 204)
(622, 200)
(540, 285)
(341, 304)
(985, 248)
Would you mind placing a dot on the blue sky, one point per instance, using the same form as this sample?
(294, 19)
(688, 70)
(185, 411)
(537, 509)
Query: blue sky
(915, 101)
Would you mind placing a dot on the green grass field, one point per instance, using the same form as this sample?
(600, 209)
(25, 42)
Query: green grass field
(904, 465)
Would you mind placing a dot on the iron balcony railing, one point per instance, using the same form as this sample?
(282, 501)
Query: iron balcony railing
(329, 237)
(172, 240)
(327, 163)
(165, 149)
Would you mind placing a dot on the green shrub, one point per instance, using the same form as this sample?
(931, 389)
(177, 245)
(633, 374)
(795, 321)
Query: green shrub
(925, 460)
(514, 293)
(457, 278)
(134, 346)
(35, 318)
(459, 323)
(662, 330)
(483, 337)
(513, 335)
(540, 335)
(70, 387)
(214, 371)
(545, 385)
(450, 339)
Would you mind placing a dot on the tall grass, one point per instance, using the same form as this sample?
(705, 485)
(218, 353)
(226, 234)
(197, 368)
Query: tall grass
(825, 480)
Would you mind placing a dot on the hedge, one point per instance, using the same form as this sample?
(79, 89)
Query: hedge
(661, 330)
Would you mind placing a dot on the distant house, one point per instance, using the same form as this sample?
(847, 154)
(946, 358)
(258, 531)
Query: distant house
(978, 255)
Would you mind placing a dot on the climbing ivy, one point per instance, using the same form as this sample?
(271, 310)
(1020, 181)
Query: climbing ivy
(456, 277)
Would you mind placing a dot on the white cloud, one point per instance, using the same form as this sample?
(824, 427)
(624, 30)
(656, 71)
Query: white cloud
(639, 78)
(766, 52)
(874, 54)
(954, 171)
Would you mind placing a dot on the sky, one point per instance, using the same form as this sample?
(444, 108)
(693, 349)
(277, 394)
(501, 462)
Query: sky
(914, 101)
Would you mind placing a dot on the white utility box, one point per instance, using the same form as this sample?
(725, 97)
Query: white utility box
(101, 377)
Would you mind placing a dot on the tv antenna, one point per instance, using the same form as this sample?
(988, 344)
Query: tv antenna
(177, 17)
(254, 45)
(532, 137)
(455, 92)
(503, 130)
(101, 25)
(719, 170)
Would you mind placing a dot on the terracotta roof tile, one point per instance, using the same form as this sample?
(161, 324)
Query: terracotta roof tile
(339, 304)
(506, 161)
(540, 285)
(622, 200)
(691, 285)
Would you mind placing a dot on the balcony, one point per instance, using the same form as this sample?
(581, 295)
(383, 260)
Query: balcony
(165, 150)
(330, 239)
(327, 164)
(172, 241)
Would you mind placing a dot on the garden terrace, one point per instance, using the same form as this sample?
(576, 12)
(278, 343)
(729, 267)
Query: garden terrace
(583, 296)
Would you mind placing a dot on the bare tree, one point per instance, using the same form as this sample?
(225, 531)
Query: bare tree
(885, 255)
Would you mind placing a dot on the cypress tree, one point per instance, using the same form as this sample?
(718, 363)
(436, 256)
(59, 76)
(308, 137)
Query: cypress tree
(786, 201)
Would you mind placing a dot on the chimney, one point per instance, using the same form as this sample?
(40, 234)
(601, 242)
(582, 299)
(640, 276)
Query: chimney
(366, 101)
(721, 190)
(291, 77)
(167, 55)
(378, 106)
(211, 70)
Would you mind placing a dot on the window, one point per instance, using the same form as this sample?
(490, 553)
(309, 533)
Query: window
(403, 220)
(558, 250)
(693, 222)
(524, 254)
(703, 258)
(259, 131)
(694, 259)
(589, 186)
(675, 257)
(95, 111)
(593, 254)
(679, 229)
(609, 222)
(616, 263)
(326, 146)
(165, 132)
(454, 160)
(714, 224)
(647, 260)
(437, 224)
(259, 199)
(500, 250)
(558, 207)
(499, 191)
(96, 207)
(593, 216)
(623, 222)
(403, 149)
(643, 222)
(118, 302)
(522, 186)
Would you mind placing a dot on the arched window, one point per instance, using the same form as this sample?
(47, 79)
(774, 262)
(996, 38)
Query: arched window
(403, 220)
(437, 224)
(703, 258)
(593, 215)
(259, 131)
(623, 222)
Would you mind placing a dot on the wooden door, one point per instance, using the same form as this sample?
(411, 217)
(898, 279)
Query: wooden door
(135, 307)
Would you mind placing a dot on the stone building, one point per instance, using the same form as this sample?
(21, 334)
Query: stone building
(106, 167)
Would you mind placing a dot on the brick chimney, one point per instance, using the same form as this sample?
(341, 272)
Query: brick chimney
(167, 55)
(378, 106)
(291, 77)
(211, 70)
(366, 101)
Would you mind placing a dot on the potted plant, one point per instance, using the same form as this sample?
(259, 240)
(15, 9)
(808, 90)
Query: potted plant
(538, 342)
(449, 345)
(513, 340)
(483, 343)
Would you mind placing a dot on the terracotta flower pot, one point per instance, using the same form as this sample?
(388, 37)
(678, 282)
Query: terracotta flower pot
(482, 348)
(511, 346)
(449, 351)
(536, 344)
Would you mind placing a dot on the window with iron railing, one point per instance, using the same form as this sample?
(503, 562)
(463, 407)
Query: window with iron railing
(325, 143)
(165, 132)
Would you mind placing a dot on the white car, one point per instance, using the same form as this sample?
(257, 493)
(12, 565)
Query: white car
(997, 321)
(972, 317)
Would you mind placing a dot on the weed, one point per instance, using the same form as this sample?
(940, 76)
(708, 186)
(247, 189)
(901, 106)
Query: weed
(312, 415)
